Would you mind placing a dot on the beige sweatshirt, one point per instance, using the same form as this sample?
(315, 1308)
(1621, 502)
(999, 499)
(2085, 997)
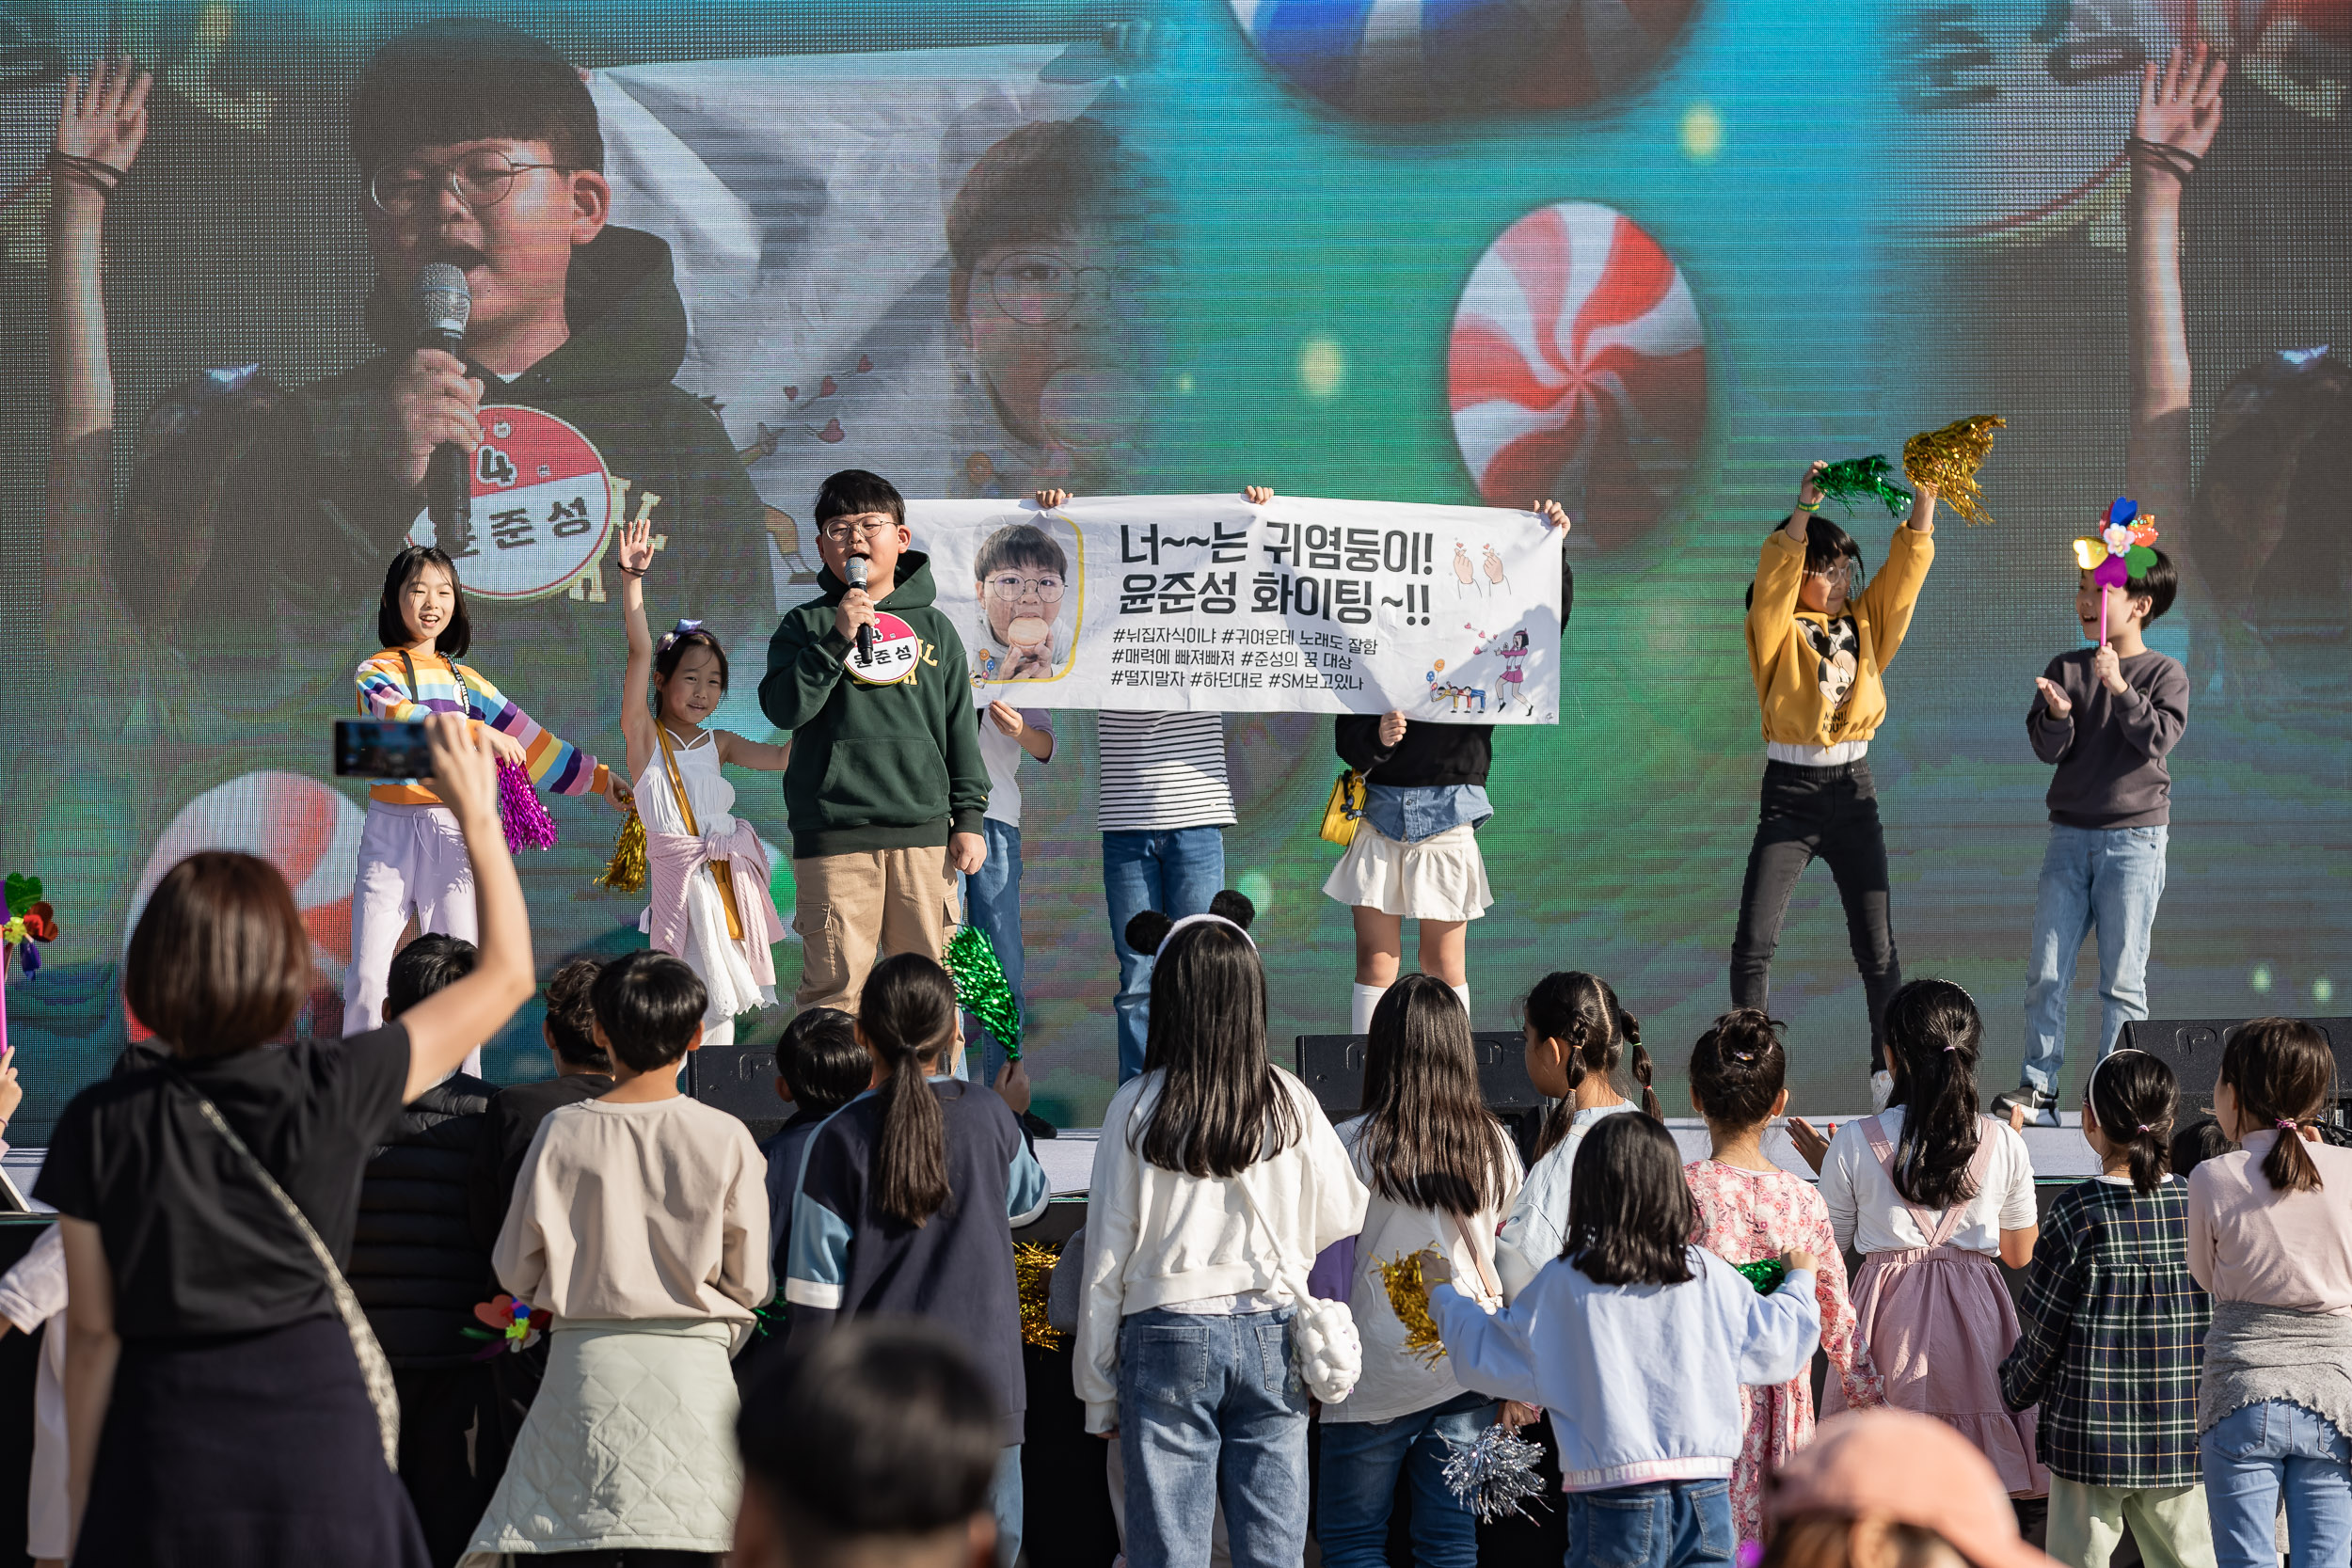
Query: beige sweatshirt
(635, 1211)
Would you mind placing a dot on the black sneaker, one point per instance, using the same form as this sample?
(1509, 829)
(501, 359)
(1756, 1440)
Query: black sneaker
(2041, 1105)
(1036, 1125)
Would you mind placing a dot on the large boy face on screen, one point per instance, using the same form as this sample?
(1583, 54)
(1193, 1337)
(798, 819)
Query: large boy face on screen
(1023, 577)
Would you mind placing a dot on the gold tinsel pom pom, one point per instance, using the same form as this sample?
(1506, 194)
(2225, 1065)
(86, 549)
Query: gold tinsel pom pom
(1033, 1270)
(1948, 459)
(1408, 1298)
(626, 871)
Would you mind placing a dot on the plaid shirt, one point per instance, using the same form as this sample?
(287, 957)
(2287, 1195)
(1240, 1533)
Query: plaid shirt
(2112, 1339)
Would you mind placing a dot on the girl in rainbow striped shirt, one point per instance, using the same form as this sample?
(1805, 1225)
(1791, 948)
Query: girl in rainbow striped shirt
(411, 858)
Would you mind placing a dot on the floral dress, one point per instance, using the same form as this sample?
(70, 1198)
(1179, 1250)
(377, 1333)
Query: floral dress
(1746, 1216)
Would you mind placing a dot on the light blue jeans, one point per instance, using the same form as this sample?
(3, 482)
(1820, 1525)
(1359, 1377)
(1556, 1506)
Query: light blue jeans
(2253, 1453)
(1209, 1412)
(2109, 879)
(1176, 873)
(1005, 1502)
(1361, 1460)
(992, 901)
(1667, 1523)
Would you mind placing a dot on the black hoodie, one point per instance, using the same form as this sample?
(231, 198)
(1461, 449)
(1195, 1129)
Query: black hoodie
(561, 657)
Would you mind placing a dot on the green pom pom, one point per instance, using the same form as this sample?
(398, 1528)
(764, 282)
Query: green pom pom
(1765, 1273)
(981, 988)
(1860, 477)
(2138, 559)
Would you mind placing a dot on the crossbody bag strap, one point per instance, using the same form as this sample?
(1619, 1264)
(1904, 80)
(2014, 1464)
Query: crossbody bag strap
(375, 1370)
(721, 872)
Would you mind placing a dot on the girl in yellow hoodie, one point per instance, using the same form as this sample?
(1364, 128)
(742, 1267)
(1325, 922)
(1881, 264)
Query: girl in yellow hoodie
(1818, 650)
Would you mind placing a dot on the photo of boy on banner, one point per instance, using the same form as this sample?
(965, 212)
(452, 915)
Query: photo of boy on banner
(1024, 580)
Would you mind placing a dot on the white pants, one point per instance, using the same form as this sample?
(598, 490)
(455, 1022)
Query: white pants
(412, 860)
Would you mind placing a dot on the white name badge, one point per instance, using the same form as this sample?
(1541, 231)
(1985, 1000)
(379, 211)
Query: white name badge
(543, 508)
(897, 651)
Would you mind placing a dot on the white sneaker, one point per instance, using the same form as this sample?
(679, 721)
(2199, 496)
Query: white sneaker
(1882, 1087)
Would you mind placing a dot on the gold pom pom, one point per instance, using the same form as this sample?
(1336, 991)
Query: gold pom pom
(1033, 1270)
(1948, 459)
(626, 871)
(1408, 1298)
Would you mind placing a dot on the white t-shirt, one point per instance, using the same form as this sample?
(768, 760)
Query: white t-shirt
(1001, 754)
(1868, 1213)
(1539, 1225)
(1162, 771)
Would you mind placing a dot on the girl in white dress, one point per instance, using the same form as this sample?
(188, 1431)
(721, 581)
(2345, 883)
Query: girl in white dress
(707, 871)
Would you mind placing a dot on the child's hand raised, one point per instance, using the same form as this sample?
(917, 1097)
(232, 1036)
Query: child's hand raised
(1012, 1087)
(1812, 1148)
(2109, 666)
(1048, 500)
(105, 124)
(2053, 697)
(1257, 495)
(1808, 491)
(1553, 514)
(2182, 109)
(636, 556)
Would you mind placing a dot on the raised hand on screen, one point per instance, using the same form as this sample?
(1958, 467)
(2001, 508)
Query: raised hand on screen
(106, 122)
(1553, 514)
(636, 551)
(2182, 106)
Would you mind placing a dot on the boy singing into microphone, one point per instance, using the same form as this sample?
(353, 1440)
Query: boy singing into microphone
(886, 789)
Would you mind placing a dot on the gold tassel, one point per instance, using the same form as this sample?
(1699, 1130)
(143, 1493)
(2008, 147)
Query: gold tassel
(1408, 1298)
(1948, 459)
(626, 871)
(1033, 1270)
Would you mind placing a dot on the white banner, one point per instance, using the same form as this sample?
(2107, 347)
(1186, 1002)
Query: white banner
(1449, 613)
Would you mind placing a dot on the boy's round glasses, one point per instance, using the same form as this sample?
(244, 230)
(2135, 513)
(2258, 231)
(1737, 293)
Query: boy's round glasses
(841, 533)
(484, 180)
(1037, 288)
(1008, 588)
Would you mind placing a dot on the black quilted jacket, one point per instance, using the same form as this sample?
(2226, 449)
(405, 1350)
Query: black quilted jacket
(415, 1265)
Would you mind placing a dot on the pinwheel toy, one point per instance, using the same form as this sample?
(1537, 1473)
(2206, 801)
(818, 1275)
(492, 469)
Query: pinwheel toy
(512, 1326)
(30, 920)
(2120, 553)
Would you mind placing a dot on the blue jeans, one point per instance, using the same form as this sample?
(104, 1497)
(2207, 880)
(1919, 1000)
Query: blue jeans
(1005, 1502)
(2107, 877)
(2248, 1455)
(1210, 1411)
(992, 901)
(1176, 873)
(1361, 1460)
(1666, 1524)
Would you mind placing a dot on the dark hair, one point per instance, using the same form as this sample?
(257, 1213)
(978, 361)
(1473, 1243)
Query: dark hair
(669, 649)
(908, 1013)
(2157, 585)
(2131, 1096)
(649, 1003)
(1824, 1539)
(224, 440)
(1226, 903)
(1429, 1142)
(1020, 543)
(220, 960)
(392, 626)
(432, 962)
(1630, 1218)
(1221, 1105)
(1738, 1068)
(820, 1061)
(1581, 1012)
(1933, 1033)
(1825, 545)
(1038, 183)
(461, 79)
(854, 492)
(571, 1014)
(2198, 1141)
(1148, 928)
(2281, 1071)
(879, 1427)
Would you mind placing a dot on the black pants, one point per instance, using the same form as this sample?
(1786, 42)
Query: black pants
(1832, 813)
(449, 1454)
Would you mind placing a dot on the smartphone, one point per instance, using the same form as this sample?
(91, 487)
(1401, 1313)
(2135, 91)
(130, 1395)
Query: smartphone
(381, 749)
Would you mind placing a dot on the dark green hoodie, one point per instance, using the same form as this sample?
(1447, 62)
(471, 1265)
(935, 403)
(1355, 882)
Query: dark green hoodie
(876, 765)
(561, 658)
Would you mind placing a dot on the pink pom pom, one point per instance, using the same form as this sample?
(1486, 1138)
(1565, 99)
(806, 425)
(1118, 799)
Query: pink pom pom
(528, 825)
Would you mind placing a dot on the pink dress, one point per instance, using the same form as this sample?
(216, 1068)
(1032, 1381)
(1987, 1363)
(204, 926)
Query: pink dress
(1745, 1216)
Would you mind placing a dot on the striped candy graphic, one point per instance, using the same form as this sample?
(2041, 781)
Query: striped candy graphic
(1577, 370)
(1417, 59)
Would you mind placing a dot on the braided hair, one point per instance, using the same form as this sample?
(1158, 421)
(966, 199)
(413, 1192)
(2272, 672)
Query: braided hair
(1583, 1013)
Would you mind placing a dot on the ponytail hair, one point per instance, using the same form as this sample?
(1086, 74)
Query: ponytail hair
(2284, 1075)
(907, 1014)
(1933, 1031)
(1738, 1068)
(2130, 1097)
(1581, 1012)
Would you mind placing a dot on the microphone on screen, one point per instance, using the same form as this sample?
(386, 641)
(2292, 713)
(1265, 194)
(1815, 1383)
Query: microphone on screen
(442, 304)
(865, 631)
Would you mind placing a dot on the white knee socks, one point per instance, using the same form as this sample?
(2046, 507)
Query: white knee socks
(1463, 991)
(1360, 1007)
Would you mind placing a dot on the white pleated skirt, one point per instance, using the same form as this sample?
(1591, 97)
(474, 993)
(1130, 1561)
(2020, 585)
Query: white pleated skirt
(1442, 877)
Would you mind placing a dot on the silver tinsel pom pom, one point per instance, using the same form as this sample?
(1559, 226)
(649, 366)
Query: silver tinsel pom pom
(1495, 1476)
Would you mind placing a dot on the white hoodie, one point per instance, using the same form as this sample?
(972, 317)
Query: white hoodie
(1156, 1237)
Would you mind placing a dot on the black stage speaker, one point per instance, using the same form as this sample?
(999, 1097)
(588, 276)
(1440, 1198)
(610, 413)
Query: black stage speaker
(2192, 1047)
(1333, 1067)
(739, 1080)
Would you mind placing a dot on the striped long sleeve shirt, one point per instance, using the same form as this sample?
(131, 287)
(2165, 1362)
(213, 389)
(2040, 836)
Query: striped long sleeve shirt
(554, 764)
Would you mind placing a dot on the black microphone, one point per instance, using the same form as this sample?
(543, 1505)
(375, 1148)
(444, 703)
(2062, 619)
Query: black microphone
(442, 304)
(866, 629)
